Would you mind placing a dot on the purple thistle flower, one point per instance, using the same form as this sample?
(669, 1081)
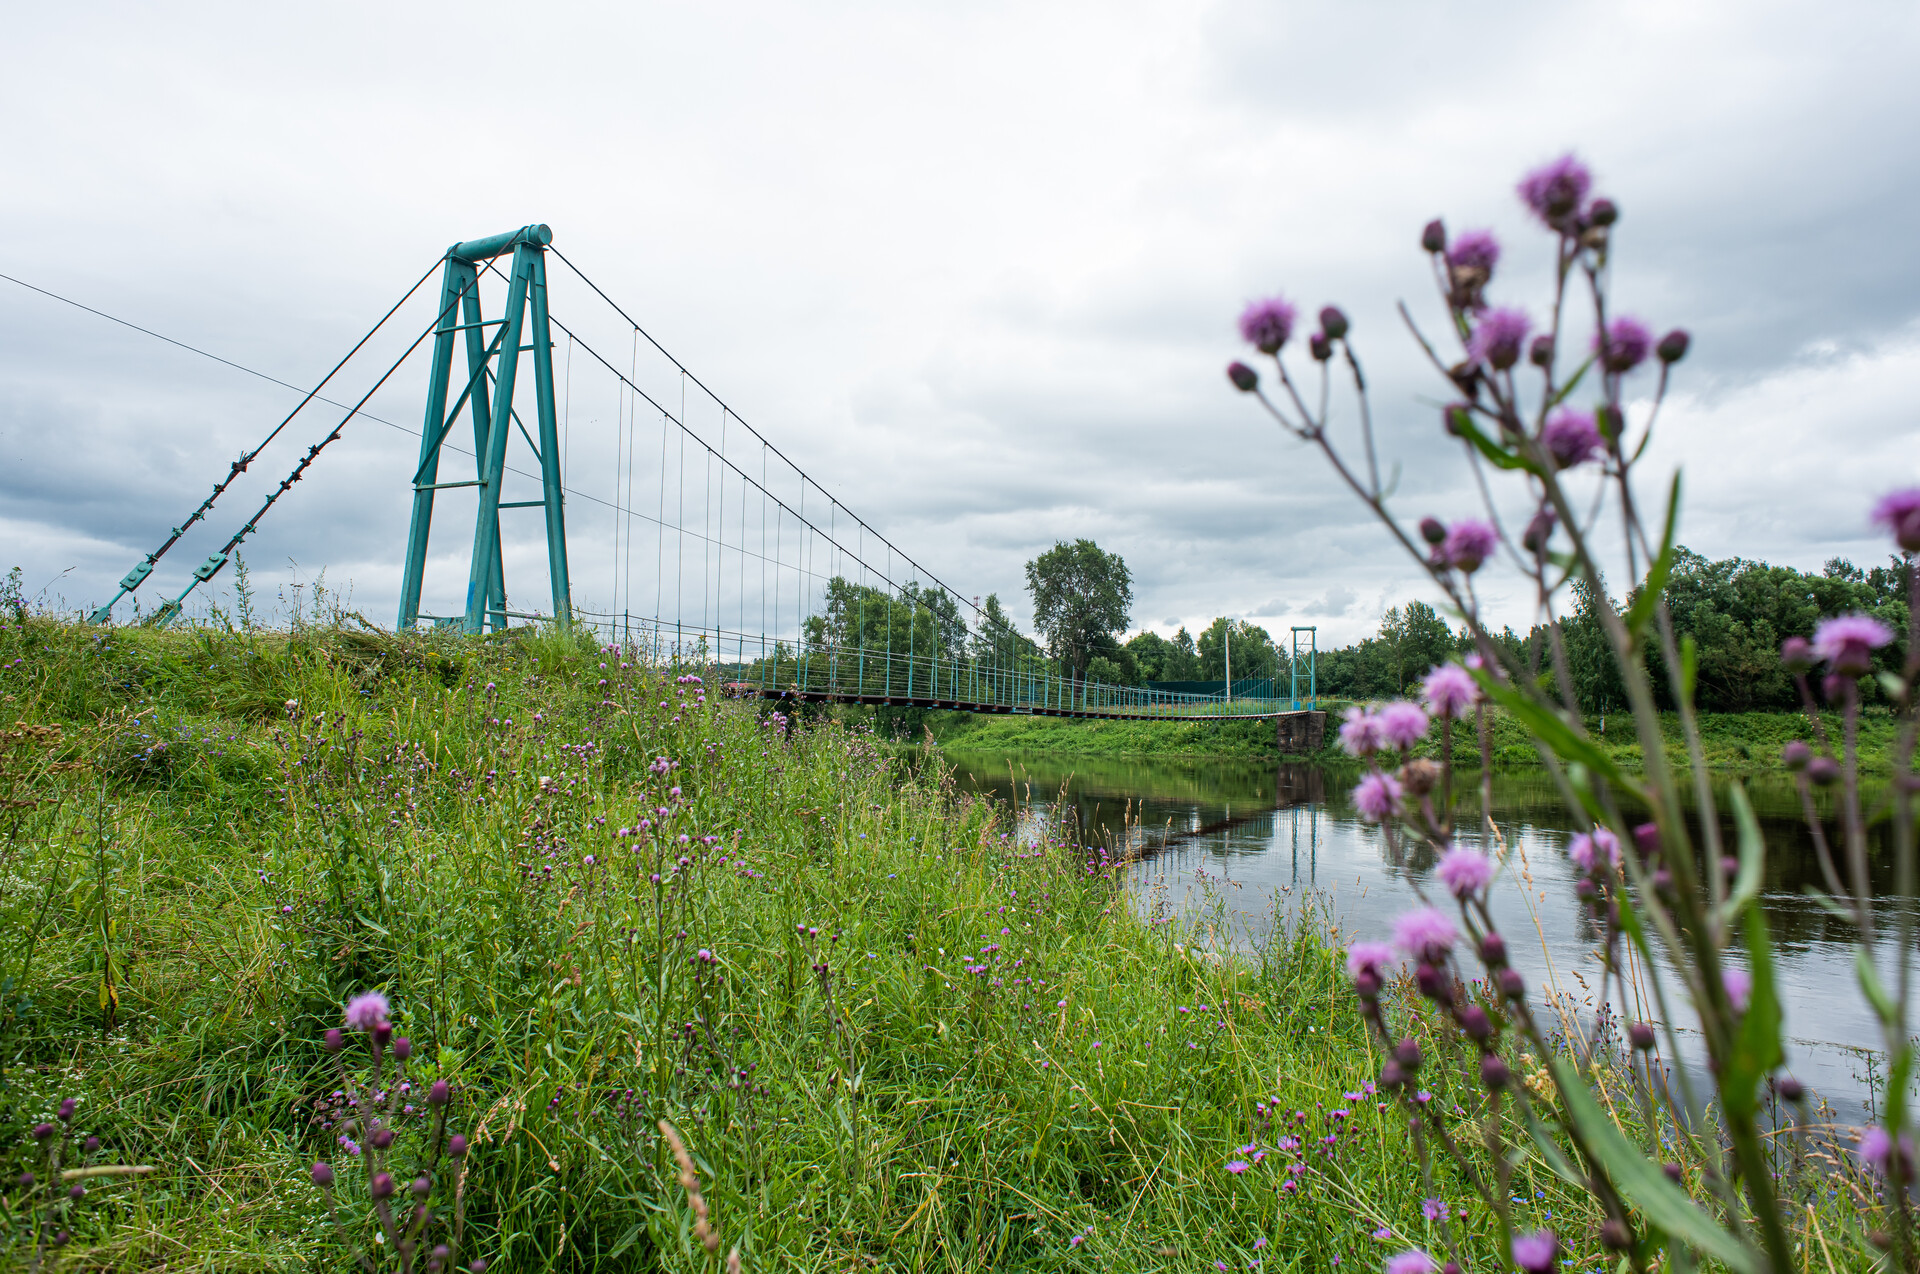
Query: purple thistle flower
(1236, 1166)
(1899, 512)
(1449, 691)
(1466, 872)
(1877, 1151)
(1848, 642)
(366, 1011)
(1402, 724)
(1360, 735)
(1425, 934)
(1364, 957)
(1497, 338)
(1412, 1261)
(1267, 324)
(1469, 543)
(1376, 796)
(1555, 190)
(1626, 345)
(1475, 250)
(1433, 1209)
(1572, 437)
(1739, 985)
(1535, 1252)
(1594, 852)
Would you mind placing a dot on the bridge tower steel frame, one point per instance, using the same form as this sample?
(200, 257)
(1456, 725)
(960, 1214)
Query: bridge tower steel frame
(492, 371)
(1313, 687)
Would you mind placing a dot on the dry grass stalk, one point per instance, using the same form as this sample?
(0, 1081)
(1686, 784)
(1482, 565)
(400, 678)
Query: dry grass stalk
(690, 1182)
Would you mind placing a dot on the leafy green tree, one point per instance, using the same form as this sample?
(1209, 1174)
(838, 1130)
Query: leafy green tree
(1081, 593)
(1254, 656)
(1596, 675)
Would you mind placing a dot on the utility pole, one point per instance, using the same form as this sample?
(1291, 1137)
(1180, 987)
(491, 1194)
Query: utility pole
(1229, 661)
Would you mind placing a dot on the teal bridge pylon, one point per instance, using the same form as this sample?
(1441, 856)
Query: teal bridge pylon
(698, 543)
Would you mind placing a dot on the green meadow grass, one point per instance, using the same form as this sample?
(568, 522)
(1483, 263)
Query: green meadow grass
(922, 1043)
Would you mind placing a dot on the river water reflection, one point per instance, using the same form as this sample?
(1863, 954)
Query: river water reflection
(1256, 838)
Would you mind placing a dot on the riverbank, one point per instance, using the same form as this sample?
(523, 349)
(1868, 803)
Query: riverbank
(894, 1036)
(1732, 741)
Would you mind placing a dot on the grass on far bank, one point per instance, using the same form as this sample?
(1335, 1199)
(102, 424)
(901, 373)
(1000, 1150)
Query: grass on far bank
(920, 1044)
(1733, 741)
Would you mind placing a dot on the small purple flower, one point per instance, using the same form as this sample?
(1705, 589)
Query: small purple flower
(1425, 934)
(1535, 1253)
(1466, 872)
(1402, 724)
(1899, 512)
(1475, 250)
(1572, 437)
(1412, 1261)
(1498, 337)
(1267, 324)
(1237, 1166)
(1594, 852)
(1626, 345)
(1555, 190)
(1739, 985)
(366, 1011)
(1876, 1151)
(1434, 1209)
(1364, 957)
(1469, 543)
(1360, 733)
(1449, 691)
(1848, 642)
(1376, 796)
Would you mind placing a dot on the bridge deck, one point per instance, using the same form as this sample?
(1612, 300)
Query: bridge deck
(790, 694)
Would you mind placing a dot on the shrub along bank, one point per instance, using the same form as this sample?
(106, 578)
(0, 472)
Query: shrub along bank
(892, 1035)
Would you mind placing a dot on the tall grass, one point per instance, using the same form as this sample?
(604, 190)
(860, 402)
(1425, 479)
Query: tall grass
(894, 1033)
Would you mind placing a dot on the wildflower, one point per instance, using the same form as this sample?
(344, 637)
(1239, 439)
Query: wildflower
(1593, 852)
(1376, 796)
(367, 1011)
(1469, 543)
(1425, 934)
(1556, 190)
(1847, 642)
(1412, 1261)
(1572, 437)
(1360, 735)
(1877, 1151)
(1475, 250)
(1673, 346)
(322, 1175)
(1267, 324)
(1534, 1253)
(1368, 958)
(1624, 346)
(1244, 378)
(1434, 1209)
(1899, 512)
(1383, 1234)
(1076, 1240)
(1466, 872)
(1739, 986)
(1237, 1166)
(1402, 724)
(1449, 691)
(1497, 338)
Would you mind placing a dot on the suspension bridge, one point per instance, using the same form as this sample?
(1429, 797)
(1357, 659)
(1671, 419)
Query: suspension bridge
(760, 578)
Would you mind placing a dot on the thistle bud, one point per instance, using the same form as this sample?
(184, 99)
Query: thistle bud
(1823, 770)
(421, 1187)
(1407, 1053)
(457, 1146)
(479, 1265)
(1333, 322)
(1796, 755)
(1391, 1076)
(1796, 654)
(382, 1138)
(90, 1145)
(1539, 531)
(1494, 1073)
(26, 1181)
(1244, 378)
(382, 1034)
(1646, 838)
(42, 1131)
(1433, 983)
(1603, 212)
(439, 1094)
(67, 1107)
(1434, 237)
(1366, 985)
(1493, 951)
(381, 1187)
(333, 1040)
(78, 1193)
(1433, 530)
(1673, 346)
(1791, 1089)
(1512, 985)
(323, 1175)
(1320, 347)
(402, 1049)
(1641, 1036)
(1475, 1023)
(1615, 1235)
(1540, 353)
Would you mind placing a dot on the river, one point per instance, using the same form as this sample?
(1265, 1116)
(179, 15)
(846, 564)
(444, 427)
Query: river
(1250, 842)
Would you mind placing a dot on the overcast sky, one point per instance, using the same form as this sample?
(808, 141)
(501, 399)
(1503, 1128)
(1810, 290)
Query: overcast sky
(974, 267)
